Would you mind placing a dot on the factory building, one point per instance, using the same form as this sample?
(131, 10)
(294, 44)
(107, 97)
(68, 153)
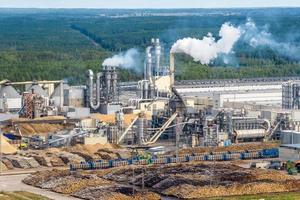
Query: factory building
(10, 99)
(56, 95)
(73, 96)
(291, 95)
(258, 91)
(193, 113)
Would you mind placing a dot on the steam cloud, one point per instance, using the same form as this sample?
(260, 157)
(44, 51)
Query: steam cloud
(126, 60)
(208, 49)
(260, 37)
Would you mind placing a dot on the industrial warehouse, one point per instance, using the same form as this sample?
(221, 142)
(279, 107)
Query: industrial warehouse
(150, 137)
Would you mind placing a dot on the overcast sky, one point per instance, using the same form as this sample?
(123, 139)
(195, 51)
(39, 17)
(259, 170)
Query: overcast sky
(147, 3)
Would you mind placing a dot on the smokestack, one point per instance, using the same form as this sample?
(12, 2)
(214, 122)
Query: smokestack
(157, 56)
(172, 69)
(148, 70)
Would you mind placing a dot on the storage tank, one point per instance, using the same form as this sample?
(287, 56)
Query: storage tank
(141, 129)
(10, 99)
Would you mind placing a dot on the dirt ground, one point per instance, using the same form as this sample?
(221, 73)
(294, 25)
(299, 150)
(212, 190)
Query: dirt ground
(183, 181)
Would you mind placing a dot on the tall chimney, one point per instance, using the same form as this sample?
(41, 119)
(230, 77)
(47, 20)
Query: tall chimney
(172, 69)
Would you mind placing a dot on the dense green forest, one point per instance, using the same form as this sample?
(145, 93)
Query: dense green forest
(63, 44)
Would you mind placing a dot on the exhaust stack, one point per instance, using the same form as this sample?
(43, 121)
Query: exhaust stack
(172, 69)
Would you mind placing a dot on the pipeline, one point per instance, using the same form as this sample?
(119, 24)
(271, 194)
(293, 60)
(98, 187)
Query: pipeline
(221, 156)
(91, 88)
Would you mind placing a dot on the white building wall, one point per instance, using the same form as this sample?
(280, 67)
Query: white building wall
(231, 88)
(269, 94)
(12, 103)
(264, 98)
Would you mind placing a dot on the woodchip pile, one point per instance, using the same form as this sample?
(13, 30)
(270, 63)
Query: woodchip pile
(183, 181)
(54, 157)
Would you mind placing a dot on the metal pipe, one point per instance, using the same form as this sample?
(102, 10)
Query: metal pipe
(140, 89)
(108, 80)
(157, 56)
(32, 82)
(61, 94)
(91, 88)
(145, 89)
(148, 70)
(115, 82)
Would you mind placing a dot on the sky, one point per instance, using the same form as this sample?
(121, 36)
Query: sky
(147, 3)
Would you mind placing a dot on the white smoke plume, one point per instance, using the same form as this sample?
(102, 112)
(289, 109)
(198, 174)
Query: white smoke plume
(260, 37)
(208, 49)
(126, 60)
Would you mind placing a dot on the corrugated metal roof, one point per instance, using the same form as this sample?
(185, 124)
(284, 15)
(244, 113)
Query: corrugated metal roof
(38, 90)
(9, 92)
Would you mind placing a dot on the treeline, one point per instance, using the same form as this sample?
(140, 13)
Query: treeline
(45, 45)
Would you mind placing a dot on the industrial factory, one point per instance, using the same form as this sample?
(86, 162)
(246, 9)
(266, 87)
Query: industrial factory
(139, 127)
(157, 109)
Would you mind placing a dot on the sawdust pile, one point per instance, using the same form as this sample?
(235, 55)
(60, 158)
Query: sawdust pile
(3, 166)
(95, 152)
(74, 184)
(5, 147)
(91, 148)
(183, 181)
(39, 126)
(39, 119)
(85, 186)
(234, 147)
(186, 191)
(40, 129)
(111, 119)
(40, 177)
(193, 180)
